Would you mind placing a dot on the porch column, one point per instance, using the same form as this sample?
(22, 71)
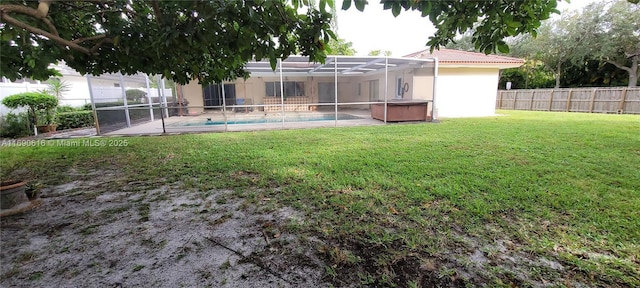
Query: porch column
(124, 99)
(386, 86)
(150, 102)
(281, 91)
(93, 105)
(158, 78)
(224, 105)
(164, 97)
(435, 83)
(335, 81)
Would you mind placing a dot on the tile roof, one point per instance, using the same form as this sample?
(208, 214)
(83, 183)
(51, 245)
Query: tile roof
(450, 56)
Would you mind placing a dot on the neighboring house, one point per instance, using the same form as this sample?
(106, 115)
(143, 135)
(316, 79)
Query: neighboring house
(466, 85)
(106, 88)
(467, 81)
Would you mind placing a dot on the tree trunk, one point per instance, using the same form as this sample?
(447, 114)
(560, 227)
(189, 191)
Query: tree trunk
(558, 71)
(633, 73)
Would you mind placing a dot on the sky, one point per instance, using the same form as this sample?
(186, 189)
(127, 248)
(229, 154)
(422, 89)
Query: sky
(376, 28)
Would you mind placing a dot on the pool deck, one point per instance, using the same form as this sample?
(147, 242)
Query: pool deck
(176, 125)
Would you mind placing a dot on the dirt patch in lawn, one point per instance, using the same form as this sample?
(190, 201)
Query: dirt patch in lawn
(99, 230)
(105, 233)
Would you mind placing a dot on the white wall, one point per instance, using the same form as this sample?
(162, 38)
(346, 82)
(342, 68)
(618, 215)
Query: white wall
(78, 94)
(7, 89)
(466, 92)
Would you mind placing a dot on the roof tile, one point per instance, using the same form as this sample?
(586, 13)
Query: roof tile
(452, 56)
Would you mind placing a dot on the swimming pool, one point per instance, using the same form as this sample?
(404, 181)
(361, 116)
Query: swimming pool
(306, 118)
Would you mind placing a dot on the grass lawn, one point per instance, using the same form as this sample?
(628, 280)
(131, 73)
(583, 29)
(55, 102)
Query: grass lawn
(531, 198)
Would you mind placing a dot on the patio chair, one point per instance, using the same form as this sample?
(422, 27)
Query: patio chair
(243, 101)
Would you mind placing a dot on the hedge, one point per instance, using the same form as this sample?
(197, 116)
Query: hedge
(75, 119)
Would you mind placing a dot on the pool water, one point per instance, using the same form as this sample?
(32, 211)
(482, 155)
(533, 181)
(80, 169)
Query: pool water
(324, 117)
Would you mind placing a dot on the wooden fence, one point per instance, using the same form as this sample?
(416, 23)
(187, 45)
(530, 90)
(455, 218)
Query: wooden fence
(621, 100)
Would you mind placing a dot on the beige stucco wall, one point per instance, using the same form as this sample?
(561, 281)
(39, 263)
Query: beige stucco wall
(192, 92)
(350, 88)
(466, 92)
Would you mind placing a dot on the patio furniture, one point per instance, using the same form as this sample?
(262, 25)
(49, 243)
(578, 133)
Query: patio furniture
(243, 101)
(294, 103)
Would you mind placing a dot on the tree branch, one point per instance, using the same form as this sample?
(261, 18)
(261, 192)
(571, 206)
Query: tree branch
(94, 49)
(156, 10)
(38, 14)
(625, 68)
(10, 20)
(96, 37)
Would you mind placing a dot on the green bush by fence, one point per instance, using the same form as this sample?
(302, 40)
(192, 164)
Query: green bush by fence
(75, 119)
(14, 125)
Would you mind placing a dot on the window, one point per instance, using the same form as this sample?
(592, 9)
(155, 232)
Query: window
(290, 88)
(399, 92)
(374, 90)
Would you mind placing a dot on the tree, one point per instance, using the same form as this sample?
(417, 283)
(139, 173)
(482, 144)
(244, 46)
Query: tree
(57, 87)
(582, 43)
(212, 40)
(182, 40)
(463, 42)
(340, 46)
(379, 52)
(560, 43)
(616, 36)
(530, 75)
(37, 103)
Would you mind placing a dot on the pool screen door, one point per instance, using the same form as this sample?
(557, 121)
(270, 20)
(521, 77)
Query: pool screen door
(212, 95)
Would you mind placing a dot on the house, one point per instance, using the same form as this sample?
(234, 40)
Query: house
(464, 84)
(467, 81)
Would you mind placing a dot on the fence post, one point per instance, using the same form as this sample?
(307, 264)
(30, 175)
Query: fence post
(551, 99)
(622, 99)
(125, 102)
(533, 92)
(569, 100)
(515, 98)
(500, 99)
(593, 98)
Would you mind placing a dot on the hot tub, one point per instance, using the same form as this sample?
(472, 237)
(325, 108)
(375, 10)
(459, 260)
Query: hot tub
(399, 111)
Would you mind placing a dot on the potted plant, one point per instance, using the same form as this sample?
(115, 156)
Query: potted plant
(47, 121)
(12, 193)
(40, 107)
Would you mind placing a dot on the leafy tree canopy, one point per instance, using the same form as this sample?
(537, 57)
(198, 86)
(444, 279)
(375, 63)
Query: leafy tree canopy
(340, 46)
(35, 102)
(379, 52)
(182, 40)
(212, 40)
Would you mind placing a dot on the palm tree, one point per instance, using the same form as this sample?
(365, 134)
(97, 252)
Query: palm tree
(58, 87)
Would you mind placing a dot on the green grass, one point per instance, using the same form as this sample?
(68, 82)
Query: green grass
(565, 186)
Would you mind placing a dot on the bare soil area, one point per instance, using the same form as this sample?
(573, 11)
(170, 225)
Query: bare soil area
(99, 230)
(88, 235)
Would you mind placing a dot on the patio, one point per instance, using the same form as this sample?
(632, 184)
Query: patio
(297, 94)
(257, 120)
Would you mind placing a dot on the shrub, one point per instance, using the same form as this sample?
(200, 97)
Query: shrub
(135, 95)
(75, 119)
(37, 103)
(66, 108)
(14, 125)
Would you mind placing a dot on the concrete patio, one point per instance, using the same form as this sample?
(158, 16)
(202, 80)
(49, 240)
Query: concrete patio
(272, 121)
